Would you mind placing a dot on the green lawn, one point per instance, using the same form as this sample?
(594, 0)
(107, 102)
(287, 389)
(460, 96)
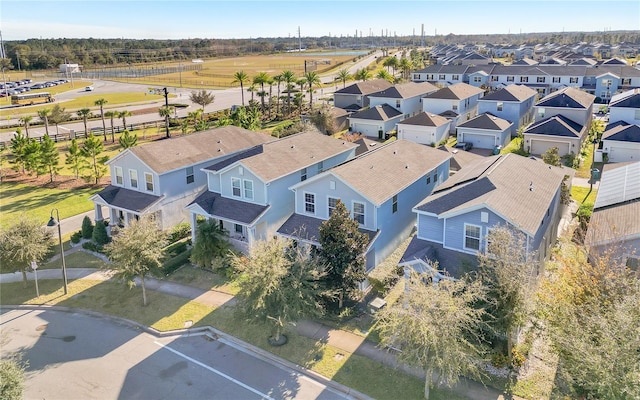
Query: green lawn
(204, 279)
(37, 203)
(579, 194)
(79, 259)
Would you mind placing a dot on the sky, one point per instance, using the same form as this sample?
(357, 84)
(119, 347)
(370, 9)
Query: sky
(217, 19)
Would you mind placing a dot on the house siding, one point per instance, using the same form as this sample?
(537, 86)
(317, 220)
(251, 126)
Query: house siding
(625, 114)
(454, 231)
(580, 116)
(518, 113)
(423, 134)
(430, 228)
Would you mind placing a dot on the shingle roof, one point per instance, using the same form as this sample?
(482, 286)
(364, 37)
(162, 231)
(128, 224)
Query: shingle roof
(406, 90)
(511, 93)
(455, 92)
(568, 97)
(281, 157)
(382, 112)
(628, 99)
(558, 125)
(169, 154)
(450, 262)
(487, 121)
(425, 119)
(365, 87)
(235, 210)
(308, 228)
(443, 69)
(503, 183)
(392, 167)
(526, 61)
(623, 132)
(127, 199)
(541, 70)
(460, 158)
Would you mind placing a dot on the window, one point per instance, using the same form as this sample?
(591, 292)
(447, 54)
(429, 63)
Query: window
(510, 78)
(248, 189)
(487, 239)
(477, 79)
(556, 79)
(148, 179)
(454, 106)
(416, 77)
(429, 76)
(524, 79)
(133, 178)
(500, 105)
(358, 212)
(320, 166)
(235, 187)
(238, 228)
(636, 114)
(573, 79)
(190, 177)
(119, 178)
(626, 81)
(331, 202)
(607, 83)
(394, 206)
(455, 77)
(397, 103)
(471, 237)
(494, 78)
(310, 203)
(540, 79)
(303, 174)
(429, 179)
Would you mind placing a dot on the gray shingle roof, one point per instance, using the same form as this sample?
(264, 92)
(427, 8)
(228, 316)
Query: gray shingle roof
(628, 99)
(443, 69)
(382, 112)
(455, 92)
(460, 158)
(308, 228)
(224, 208)
(450, 262)
(169, 154)
(504, 184)
(623, 132)
(365, 87)
(406, 90)
(486, 121)
(557, 125)
(425, 119)
(515, 93)
(127, 199)
(568, 97)
(540, 70)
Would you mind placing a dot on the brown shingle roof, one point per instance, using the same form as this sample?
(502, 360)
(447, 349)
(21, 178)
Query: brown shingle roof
(406, 90)
(425, 119)
(455, 92)
(169, 154)
(486, 121)
(511, 93)
(365, 87)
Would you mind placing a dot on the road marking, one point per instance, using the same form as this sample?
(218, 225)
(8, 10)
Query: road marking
(215, 371)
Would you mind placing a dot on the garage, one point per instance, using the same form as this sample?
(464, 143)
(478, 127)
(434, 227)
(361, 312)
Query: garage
(421, 136)
(539, 147)
(480, 141)
(623, 154)
(366, 129)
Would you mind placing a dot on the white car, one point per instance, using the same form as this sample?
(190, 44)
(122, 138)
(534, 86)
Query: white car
(88, 89)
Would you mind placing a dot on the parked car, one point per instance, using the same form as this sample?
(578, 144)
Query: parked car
(466, 146)
(88, 89)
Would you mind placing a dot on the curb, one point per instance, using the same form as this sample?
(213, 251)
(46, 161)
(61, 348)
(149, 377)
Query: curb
(212, 333)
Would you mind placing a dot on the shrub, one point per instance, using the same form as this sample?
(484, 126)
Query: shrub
(172, 264)
(90, 246)
(87, 228)
(180, 231)
(75, 238)
(100, 236)
(499, 360)
(176, 248)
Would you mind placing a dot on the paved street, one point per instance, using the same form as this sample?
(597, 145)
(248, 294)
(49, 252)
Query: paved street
(78, 356)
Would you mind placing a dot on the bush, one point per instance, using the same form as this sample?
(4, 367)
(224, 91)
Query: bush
(499, 360)
(90, 246)
(75, 238)
(172, 264)
(87, 228)
(179, 231)
(176, 248)
(100, 236)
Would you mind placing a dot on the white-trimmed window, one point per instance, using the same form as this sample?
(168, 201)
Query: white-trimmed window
(310, 203)
(238, 229)
(119, 176)
(190, 176)
(332, 202)
(510, 78)
(235, 187)
(248, 189)
(394, 204)
(320, 166)
(636, 114)
(573, 79)
(487, 240)
(148, 179)
(472, 237)
(442, 77)
(477, 79)
(524, 79)
(303, 174)
(626, 81)
(500, 105)
(541, 79)
(397, 103)
(494, 78)
(133, 178)
(455, 77)
(358, 212)
(556, 79)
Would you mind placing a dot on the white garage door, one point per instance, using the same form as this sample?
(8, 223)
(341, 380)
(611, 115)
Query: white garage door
(622, 154)
(365, 129)
(539, 147)
(480, 141)
(418, 136)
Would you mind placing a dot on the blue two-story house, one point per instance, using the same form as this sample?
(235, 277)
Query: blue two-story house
(404, 97)
(379, 188)
(513, 103)
(248, 194)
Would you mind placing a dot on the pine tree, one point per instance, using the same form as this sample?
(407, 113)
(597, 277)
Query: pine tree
(32, 157)
(91, 150)
(100, 235)
(127, 140)
(49, 157)
(87, 228)
(74, 158)
(18, 144)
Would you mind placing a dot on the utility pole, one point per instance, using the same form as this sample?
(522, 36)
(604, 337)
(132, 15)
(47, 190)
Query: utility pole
(166, 104)
(299, 40)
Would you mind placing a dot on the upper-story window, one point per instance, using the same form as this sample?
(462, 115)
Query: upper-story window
(190, 176)
(397, 103)
(455, 77)
(607, 83)
(331, 205)
(148, 179)
(430, 77)
(394, 205)
(303, 174)
(636, 115)
(573, 79)
(541, 79)
(320, 166)
(416, 77)
(310, 203)
(500, 105)
(454, 105)
(119, 176)
(248, 189)
(471, 237)
(477, 79)
(235, 187)
(358, 212)
(510, 78)
(556, 79)
(524, 79)
(494, 78)
(133, 178)
(626, 81)
(442, 77)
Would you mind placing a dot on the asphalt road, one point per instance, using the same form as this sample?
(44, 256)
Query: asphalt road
(78, 356)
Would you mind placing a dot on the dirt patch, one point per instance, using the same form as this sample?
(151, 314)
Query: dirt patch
(59, 182)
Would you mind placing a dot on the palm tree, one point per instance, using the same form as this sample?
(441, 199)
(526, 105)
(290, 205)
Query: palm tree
(278, 79)
(384, 74)
(313, 79)
(405, 65)
(344, 76)
(261, 79)
(101, 103)
(26, 120)
(391, 62)
(44, 113)
(288, 77)
(111, 115)
(84, 113)
(252, 90)
(165, 112)
(241, 77)
(363, 74)
(124, 114)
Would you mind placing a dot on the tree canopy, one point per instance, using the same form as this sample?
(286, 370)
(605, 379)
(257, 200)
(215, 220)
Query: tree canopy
(21, 243)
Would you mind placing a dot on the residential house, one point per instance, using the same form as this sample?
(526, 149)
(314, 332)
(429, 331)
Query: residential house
(625, 107)
(441, 74)
(485, 131)
(356, 96)
(513, 103)
(424, 128)
(460, 158)
(621, 142)
(460, 98)
(569, 102)
(614, 225)
(248, 194)
(404, 97)
(162, 177)
(503, 190)
(379, 188)
(556, 131)
(375, 122)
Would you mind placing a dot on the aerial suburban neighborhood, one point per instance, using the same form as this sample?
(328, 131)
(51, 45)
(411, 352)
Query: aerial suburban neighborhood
(237, 214)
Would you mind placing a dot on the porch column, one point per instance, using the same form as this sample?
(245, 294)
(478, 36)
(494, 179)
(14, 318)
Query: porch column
(97, 212)
(127, 218)
(113, 216)
(193, 221)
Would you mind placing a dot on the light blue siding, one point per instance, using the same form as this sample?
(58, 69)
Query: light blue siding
(454, 230)
(518, 113)
(430, 228)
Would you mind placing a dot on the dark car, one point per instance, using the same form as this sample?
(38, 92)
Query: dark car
(466, 146)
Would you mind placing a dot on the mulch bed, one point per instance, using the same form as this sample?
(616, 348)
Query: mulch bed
(59, 182)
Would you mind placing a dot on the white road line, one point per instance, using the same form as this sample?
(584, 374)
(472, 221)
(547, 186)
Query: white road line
(215, 371)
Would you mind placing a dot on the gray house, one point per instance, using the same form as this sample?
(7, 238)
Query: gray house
(424, 128)
(162, 177)
(356, 96)
(513, 103)
(404, 97)
(556, 131)
(376, 122)
(485, 131)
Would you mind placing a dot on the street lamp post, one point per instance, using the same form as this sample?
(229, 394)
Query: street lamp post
(593, 160)
(54, 222)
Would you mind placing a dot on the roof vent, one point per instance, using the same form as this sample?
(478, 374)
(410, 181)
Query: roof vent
(406, 166)
(395, 152)
(531, 186)
(219, 141)
(371, 167)
(219, 150)
(293, 146)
